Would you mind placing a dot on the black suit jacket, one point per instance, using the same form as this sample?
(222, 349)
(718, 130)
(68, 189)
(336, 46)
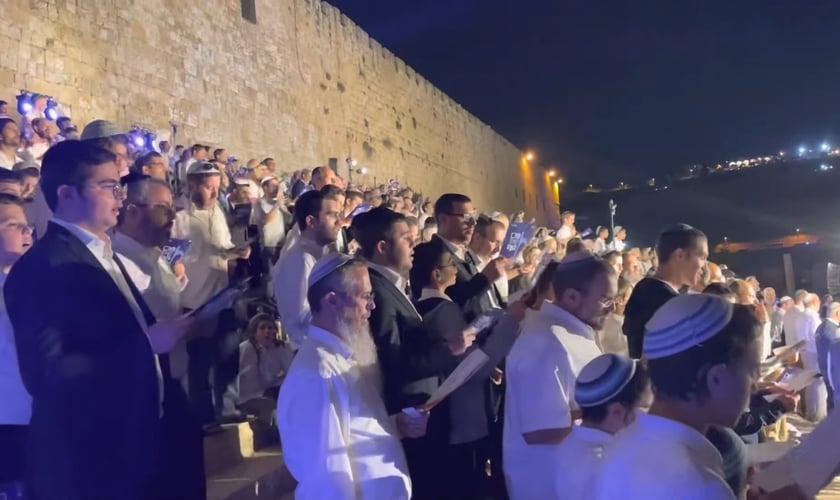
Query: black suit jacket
(90, 369)
(412, 360)
(470, 288)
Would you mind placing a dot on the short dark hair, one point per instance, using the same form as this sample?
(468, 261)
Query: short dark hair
(544, 281)
(5, 120)
(331, 192)
(196, 148)
(683, 375)
(61, 119)
(309, 203)
(3, 103)
(217, 152)
(427, 258)
(69, 163)
(374, 226)
(579, 274)
(265, 161)
(145, 160)
(7, 175)
(446, 203)
(10, 199)
(678, 237)
(628, 397)
(575, 245)
(719, 289)
(108, 142)
(351, 194)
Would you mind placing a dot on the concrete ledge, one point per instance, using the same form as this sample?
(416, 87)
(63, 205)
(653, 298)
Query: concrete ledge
(262, 476)
(236, 442)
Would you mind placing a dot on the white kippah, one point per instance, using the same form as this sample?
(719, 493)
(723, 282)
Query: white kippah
(684, 322)
(326, 265)
(603, 378)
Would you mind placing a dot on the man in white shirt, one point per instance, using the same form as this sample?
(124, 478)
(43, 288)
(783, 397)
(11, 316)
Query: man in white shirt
(567, 229)
(144, 226)
(272, 218)
(609, 391)
(206, 264)
(15, 402)
(320, 220)
(9, 143)
(619, 236)
(338, 439)
(703, 356)
(777, 318)
(485, 245)
(805, 328)
(541, 372)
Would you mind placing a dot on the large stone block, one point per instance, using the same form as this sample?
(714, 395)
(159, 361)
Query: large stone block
(303, 84)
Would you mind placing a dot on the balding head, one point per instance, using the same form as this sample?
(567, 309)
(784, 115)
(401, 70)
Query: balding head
(323, 176)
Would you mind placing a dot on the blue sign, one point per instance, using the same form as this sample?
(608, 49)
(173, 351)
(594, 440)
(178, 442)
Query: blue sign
(518, 235)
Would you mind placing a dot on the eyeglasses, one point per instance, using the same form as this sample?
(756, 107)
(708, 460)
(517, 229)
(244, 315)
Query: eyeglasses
(368, 297)
(607, 303)
(116, 188)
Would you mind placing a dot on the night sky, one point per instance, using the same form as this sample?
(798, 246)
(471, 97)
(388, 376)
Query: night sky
(615, 91)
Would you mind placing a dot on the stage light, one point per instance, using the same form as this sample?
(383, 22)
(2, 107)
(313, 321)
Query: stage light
(24, 103)
(139, 140)
(51, 111)
(825, 147)
(150, 140)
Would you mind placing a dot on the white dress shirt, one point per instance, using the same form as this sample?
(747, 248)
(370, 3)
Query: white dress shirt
(611, 338)
(160, 288)
(290, 277)
(617, 245)
(15, 401)
(661, 459)
(564, 233)
(338, 440)
(580, 456)
(274, 231)
(8, 162)
(600, 247)
(541, 372)
(205, 261)
(104, 254)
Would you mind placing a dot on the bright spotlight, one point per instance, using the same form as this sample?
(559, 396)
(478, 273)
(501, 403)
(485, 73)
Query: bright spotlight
(825, 147)
(51, 111)
(24, 103)
(802, 150)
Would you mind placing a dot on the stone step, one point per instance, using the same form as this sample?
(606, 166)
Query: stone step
(236, 442)
(260, 476)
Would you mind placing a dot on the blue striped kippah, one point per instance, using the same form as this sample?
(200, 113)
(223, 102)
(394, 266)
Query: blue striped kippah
(603, 378)
(683, 322)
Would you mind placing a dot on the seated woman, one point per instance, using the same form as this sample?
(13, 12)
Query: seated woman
(263, 363)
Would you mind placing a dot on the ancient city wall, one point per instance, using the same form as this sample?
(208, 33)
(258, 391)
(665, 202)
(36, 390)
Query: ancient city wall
(302, 84)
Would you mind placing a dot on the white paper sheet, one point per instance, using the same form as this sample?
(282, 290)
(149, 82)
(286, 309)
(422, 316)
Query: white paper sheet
(770, 451)
(796, 379)
(465, 369)
(811, 465)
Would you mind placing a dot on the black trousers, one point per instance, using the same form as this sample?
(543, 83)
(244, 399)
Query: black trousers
(180, 463)
(218, 355)
(12, 453)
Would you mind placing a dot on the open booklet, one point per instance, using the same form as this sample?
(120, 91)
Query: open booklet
(221, 301)
(811, 465)
(795, 379)
(781, 355)
(459, 376)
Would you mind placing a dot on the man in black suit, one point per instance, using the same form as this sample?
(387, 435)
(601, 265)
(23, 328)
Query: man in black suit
(413, 361)
(86, 341)
(456, 222)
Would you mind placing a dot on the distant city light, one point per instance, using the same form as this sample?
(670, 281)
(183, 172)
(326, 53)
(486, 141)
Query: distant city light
(781, 153)
(802, 150)
(825, 147)
(826, 168)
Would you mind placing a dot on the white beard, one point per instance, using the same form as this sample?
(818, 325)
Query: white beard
(360, 341)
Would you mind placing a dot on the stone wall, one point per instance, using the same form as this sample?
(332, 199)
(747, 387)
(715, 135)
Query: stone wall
(303, 84)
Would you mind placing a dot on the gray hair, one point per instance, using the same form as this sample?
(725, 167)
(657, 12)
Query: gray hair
(137, 192)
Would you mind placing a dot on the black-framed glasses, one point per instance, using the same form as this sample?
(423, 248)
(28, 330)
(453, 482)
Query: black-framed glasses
(468, 217)
(117, 189)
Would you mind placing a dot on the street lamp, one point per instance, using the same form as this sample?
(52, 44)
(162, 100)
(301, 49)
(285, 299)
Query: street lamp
(529, 156)
(552, 173)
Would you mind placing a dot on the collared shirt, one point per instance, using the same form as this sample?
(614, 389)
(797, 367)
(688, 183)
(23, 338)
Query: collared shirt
(431, 293)
(104, 254)
(394, 277)
(15, 401)
(338, 441)
(160, 288)
(580, 453)
(290, 277)
(600, 247)
(9, 162)
(205, 261)
(617, 245)
(541, 370)
(273, 232)
(458, 250)
(610, 337)
(491, 292)
(658, 458)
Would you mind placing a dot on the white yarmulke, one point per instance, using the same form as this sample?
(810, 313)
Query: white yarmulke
(685, 321)
(326, 265)
(618, 229)
(603, 378)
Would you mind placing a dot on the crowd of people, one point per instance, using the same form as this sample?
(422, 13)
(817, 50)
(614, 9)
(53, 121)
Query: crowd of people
(604, 371)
